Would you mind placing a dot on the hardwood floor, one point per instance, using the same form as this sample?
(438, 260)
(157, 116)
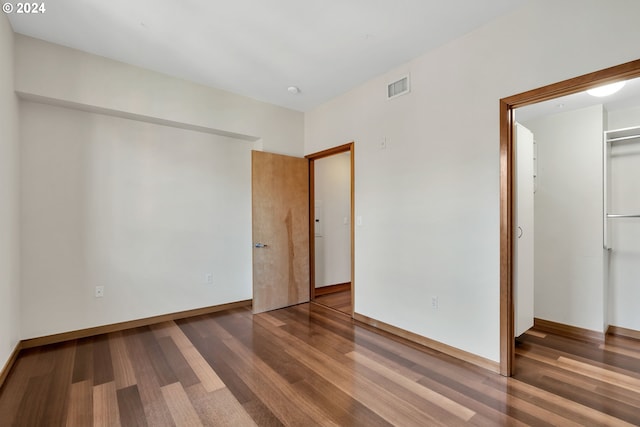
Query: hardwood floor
(340, 301)
(308, 365)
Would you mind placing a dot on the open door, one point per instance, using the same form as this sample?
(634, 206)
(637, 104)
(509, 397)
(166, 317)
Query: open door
(280, 217)
(523, 291)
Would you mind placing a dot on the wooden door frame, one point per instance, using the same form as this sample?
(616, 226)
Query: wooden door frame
(625, 71)
(345, 148)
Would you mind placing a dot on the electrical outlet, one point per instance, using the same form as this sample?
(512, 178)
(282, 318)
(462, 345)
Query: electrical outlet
(99, 291)
(434, 303)
(209, 278)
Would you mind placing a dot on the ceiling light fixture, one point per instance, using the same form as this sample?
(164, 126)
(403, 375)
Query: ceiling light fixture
(293, 90)
(606, 90)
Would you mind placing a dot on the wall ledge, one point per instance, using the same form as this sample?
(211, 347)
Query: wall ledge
(132, 116)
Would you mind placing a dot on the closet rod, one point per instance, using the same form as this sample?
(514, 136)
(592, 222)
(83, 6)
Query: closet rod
(623, 215)
(623, 138)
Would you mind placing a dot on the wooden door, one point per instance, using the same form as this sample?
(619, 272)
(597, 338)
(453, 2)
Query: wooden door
(524, 247)
(280, 209)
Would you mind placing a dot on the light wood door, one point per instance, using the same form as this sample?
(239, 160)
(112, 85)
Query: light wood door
(280, 207)
(524, 247)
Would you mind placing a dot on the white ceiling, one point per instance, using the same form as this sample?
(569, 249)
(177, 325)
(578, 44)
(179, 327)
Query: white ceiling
(627, 97)
(258, 48)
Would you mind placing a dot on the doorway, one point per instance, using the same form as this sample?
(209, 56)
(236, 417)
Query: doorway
(331, 231)
(507, 187)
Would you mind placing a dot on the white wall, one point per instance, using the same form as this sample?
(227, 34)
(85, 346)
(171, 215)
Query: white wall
(9, 214)
(144, 192)
(144, 210)
(63, 75)
(332, 187)
(569, 257)
(626, 118)
(624, 191)
(430, 201)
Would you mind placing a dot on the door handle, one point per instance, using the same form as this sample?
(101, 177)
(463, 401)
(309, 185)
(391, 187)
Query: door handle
(260, 245)
(520, 232)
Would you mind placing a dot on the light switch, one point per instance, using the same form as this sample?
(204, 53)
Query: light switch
(359, 220)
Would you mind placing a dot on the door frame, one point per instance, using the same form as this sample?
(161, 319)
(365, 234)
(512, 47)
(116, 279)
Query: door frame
(345, 148)
(624, 71)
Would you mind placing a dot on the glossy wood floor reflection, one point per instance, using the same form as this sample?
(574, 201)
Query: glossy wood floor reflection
(306, 366)
(340, 301)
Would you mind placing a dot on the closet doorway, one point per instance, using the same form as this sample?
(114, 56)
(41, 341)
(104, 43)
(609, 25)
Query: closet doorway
(554, 96)
(331, 204)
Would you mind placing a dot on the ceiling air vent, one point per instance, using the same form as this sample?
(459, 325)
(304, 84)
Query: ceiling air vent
(399, 87)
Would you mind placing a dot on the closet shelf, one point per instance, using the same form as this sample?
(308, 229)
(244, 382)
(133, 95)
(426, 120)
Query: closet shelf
(623, 138)
(622, 134)
(631, 135)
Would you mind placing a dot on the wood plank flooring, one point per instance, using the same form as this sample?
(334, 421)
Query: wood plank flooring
(340, 301)
(308, 365)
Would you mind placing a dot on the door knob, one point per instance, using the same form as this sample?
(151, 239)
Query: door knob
(520, 232)
(260, 245)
